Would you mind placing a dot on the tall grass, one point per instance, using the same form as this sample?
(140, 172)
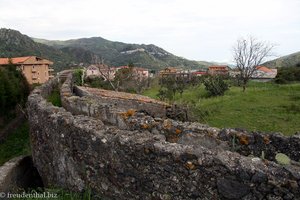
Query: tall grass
(264, 107)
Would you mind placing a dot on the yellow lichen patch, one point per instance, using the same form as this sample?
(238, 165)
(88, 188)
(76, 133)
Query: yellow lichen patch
(178, 131)
(189, 165)
(266, 140)
(145, 126)
(244, 139)
(128, 113)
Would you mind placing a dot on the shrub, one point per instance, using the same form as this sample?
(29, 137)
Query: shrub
(54, 97)
(14, 89)
(215, 85)
(77, 74)
(98, 82)
(287, 74)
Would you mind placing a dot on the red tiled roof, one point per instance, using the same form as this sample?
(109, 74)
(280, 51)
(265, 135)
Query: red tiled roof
(17, 60)
(264, 69)
(218, 67)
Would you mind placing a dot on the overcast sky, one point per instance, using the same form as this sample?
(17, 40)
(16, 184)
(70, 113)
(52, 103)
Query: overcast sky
(194, 29)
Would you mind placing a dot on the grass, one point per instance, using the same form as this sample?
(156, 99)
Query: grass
(54, 98)
(15, 144)
(264, 107)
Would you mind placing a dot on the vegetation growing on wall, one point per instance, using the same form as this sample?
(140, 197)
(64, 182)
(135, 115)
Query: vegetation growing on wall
(54, 98)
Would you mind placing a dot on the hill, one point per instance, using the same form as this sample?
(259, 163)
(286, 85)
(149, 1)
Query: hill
(118, 53)
(13, 44)
(291, 60)
(66, 54)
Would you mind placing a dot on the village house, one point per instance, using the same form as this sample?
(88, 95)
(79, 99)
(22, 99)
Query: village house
(168, 71)
(92, 70)
(200, 72)
(101, 70)
(234, 72)
(107, 72)
(263, 72)
(218, 70)
(35, 69)
(176, 73)
(139, 72)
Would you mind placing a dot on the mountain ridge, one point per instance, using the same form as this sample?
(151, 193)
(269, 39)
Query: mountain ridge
(119, 53)
(290, 60)
(82, 51)
(15, 44)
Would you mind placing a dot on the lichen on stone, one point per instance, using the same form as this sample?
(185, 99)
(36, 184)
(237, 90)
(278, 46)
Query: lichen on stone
(282, 159)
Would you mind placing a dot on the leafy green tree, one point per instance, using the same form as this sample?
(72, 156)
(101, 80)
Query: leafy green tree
(215, 85)
(14, 89)
(171, 85)
(77, 74)
(181, 85)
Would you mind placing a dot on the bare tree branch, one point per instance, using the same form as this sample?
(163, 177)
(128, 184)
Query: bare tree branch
(248, 54)
(106, 75)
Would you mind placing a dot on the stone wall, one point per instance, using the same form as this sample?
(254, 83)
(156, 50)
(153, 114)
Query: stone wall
(125, 101)
(146, 156)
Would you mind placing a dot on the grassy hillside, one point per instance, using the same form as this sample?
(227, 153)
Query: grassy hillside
(264, 107)
(118, 53)
(14, 44)
(69, 53)
(292, 60)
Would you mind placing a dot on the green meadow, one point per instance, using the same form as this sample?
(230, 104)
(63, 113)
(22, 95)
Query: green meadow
(266, 107)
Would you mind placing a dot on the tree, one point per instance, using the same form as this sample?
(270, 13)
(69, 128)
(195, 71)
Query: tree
(170, 85)
(215, 85)
(78, 73)
(14, 89)
(248, 53)
(106, 72)
(124, 79)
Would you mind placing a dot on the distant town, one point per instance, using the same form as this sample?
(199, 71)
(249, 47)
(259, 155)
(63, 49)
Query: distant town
(38, 70)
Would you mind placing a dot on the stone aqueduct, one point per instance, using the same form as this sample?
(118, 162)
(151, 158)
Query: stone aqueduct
(123, 146)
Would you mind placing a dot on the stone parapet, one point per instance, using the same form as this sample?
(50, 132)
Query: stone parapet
(143, 156)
